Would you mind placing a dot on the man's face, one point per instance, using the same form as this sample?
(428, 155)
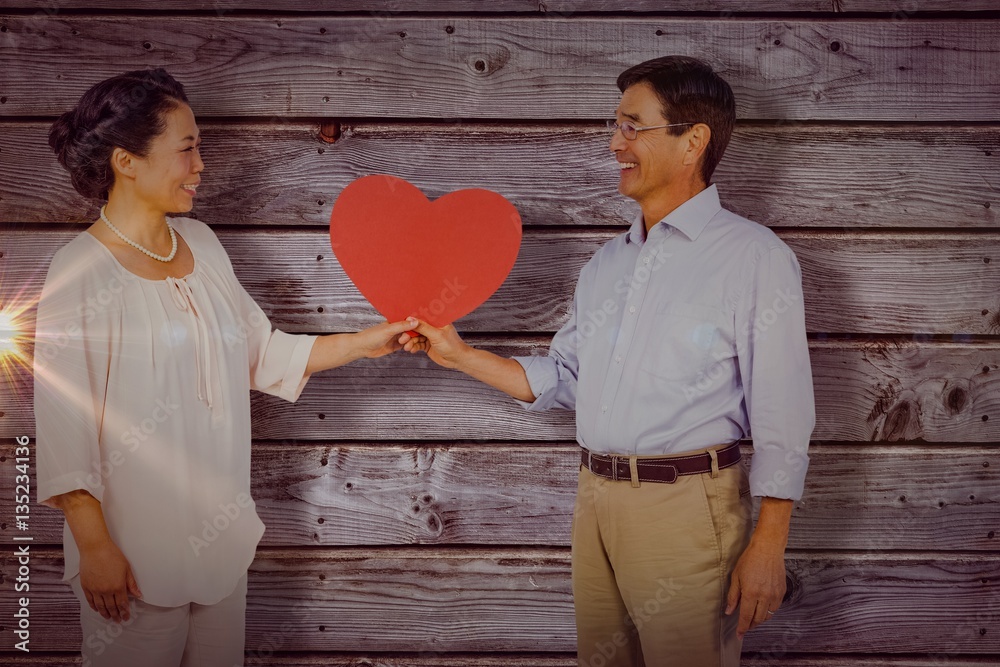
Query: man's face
(653, 160)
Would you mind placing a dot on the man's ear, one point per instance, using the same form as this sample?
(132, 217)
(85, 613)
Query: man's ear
(698, 138)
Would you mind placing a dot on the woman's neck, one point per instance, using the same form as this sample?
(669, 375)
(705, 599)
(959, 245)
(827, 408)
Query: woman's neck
(138, 221)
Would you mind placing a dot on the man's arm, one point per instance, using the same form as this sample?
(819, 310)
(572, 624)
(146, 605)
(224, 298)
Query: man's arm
(446, 348)
(778, 392)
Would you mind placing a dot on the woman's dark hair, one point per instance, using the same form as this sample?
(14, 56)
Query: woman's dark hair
(126, 111)
(690, 92)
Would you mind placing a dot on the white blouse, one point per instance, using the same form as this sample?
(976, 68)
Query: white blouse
(142, 398)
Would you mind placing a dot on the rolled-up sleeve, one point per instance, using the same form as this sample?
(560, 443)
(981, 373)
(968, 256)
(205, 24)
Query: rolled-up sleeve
(278, 360)
(553, 377)
(776, 374)
(70, 368)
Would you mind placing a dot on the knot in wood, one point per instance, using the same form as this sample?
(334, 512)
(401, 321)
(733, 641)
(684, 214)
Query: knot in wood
(957, 399)
(902, 422)
(491, 63)
(423, 458)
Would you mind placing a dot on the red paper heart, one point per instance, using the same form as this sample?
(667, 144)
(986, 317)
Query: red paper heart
(435, 260)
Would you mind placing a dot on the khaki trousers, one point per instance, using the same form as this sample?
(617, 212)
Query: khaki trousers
(192, 635)
(651, 567)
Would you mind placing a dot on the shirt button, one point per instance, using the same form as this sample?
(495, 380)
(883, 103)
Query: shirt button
(645, 260)
(618, 358)
(631, 309)
(604, 408)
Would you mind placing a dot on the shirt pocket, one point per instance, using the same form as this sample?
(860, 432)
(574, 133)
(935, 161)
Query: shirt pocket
(689, 341)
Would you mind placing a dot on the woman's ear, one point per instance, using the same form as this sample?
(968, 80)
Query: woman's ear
(123, 163)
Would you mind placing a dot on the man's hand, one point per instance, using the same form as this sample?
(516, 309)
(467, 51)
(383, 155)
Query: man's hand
(757, 585)
(107, 580)
(444, 346)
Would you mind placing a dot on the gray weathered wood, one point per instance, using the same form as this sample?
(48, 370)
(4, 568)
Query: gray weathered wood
(492, 600)
(886, 282)
(884, 390)
(750, 659)
(790, 175)
(262, 658)
(899, 567)
(551, 8)
(780, 657)
(757, 659)
(509, 68)
(858, 497)
(864, 392)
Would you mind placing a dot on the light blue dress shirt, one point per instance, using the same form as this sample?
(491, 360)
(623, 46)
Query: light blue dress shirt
(692, 337)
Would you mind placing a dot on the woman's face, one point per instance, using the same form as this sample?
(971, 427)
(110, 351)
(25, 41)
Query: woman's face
(167, 178)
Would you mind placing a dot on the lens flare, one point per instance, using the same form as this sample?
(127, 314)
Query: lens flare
(13, 342)
(8, 334)
(11, 333)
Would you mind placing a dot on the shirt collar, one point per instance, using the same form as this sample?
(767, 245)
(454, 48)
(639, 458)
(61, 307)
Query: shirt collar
(690, 218)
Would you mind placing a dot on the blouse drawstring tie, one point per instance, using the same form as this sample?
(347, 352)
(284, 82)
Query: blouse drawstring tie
(183, 297)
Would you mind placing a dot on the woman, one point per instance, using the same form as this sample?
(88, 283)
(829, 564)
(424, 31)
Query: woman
(146, 350)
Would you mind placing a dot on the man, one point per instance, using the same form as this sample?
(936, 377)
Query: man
(687, 333)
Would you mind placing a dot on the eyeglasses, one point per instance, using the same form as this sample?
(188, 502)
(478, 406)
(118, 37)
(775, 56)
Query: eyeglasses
(630, 130)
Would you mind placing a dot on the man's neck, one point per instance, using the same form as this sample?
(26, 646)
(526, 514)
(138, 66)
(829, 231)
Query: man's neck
(666, 201)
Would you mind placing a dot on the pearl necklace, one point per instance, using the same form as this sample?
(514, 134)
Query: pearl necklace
(173, 239)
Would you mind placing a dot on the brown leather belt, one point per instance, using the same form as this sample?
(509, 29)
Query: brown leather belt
(659, 469)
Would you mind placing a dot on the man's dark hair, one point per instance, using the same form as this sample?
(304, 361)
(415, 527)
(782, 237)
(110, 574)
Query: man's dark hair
(126, 111)
(691, 92)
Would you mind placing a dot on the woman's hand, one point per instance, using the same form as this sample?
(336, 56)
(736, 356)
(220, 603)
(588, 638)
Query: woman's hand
(385, 338)
(107, 580)
(335, 350)
(105, 574)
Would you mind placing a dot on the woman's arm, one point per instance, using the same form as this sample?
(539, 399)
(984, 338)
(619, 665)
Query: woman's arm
(72, 357)
(105, 574)
(336, 350)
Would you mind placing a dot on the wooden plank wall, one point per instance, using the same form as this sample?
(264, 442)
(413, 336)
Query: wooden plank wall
(416, 517)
